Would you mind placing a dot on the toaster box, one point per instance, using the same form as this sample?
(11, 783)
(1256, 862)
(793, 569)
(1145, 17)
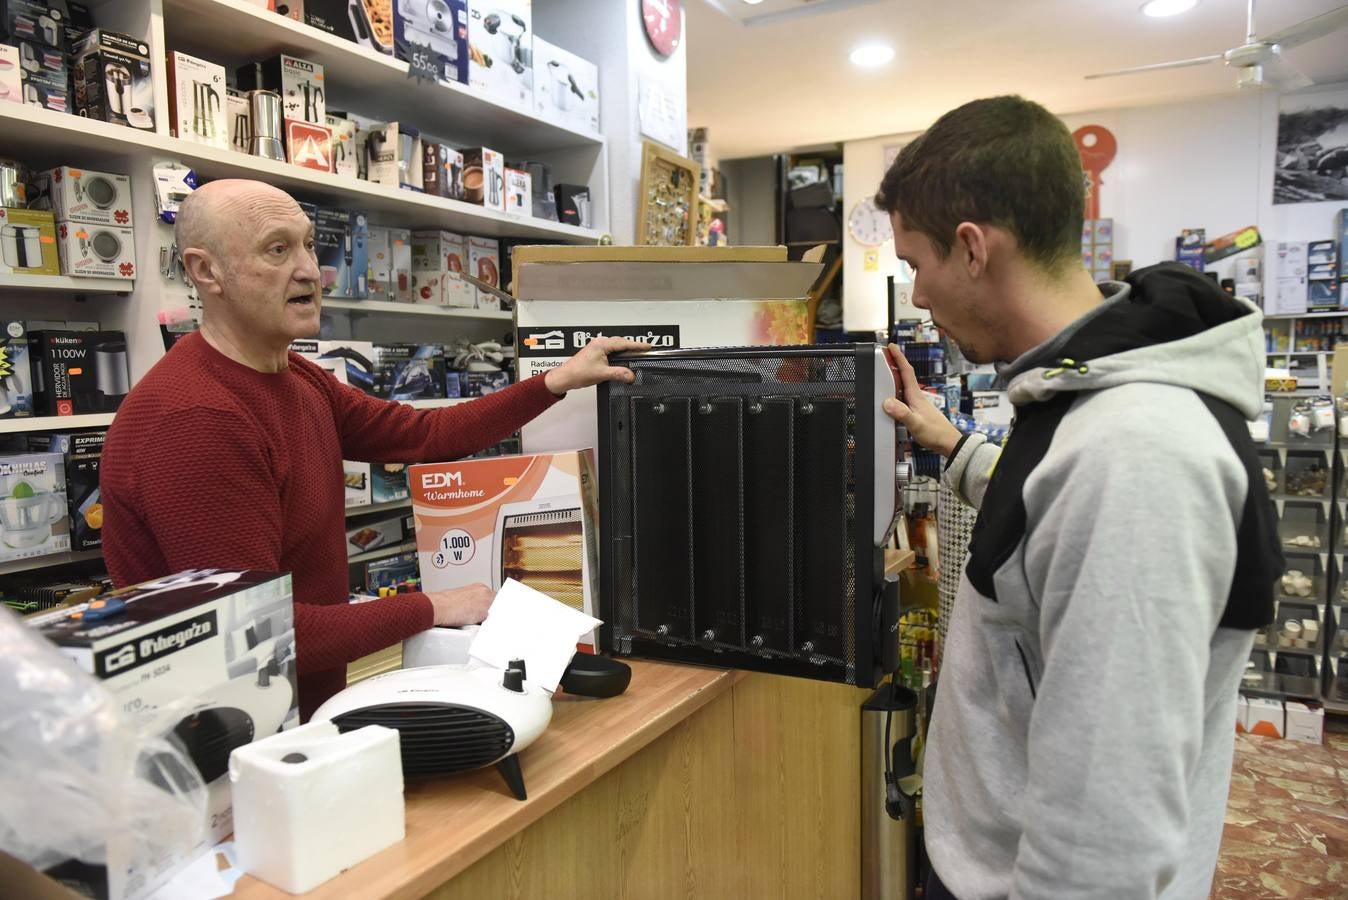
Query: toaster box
(501, 51)
(442, 26)
(83, 195)
(388, 482)
(484, 177)
(344, 146)
(533, 518)
(409, 371)
(207, 653)
(368, 23)
(96, 251)
(28, 242)
(33, 519)
(16, 372)
(197, 100)
(566, 87)
(81, 452)
(44, 77)
(114, 79)
(341, 242)
(484, 262)
(79, 372)
(299, 82)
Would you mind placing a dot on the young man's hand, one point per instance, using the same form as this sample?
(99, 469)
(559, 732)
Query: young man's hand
(925, 423)
(590, 366)
(461, 606)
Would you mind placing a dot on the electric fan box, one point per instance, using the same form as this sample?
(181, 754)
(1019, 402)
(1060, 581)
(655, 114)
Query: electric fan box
(669, 297)
(208, 654)
(533, 518)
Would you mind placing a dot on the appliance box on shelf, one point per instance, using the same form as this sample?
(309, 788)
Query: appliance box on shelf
(381, 264)
(484, 177)
(1341, 235)
(1285, 271)
(33, 519)
(1305, 723)
(309, 145)
(341, 241)
(388, 482)
(28, 242)
(79, 372)
(501, 51)
(240, 117)
(390, 571)
(376, 533)
(82, 195)
(531, 518)
(573, 204)
(298, 81)
(670, 297)
(197, 100)
(1322, 276)
(344, 147)
(356, 479)
(442, 170)
(566, 87)
(519, 192)
(479, 384)
(380, 147)
(32, 20)
(214, 648)
(484, 262)
(11, 75)
(44, 76)
(16, 372)
(82, 453)
(368, 23)
(356, 359)
(409, 371)
(442, 26)
(437, 257)
(96, 251)
(113, 79)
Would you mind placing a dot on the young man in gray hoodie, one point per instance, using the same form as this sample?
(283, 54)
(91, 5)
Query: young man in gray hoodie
(1125, 548)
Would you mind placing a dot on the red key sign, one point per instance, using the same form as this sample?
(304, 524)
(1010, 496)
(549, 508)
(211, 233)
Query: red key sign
(1096, 146)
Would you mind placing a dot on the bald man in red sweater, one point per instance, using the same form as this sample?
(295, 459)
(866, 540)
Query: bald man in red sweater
(229, 452)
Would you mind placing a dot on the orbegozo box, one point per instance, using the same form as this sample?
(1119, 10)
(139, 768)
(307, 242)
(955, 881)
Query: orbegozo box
(409, 371)
(82, 453)
(208, 652)
(78, 372)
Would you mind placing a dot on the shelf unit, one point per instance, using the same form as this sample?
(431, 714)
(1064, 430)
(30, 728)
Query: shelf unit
(55, 423)
(10, 282)
(394, 550)
(378, 507)
(385, 307)
(46, 562)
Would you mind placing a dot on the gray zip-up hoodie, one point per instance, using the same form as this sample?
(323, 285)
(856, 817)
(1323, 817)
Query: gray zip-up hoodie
(1125, 550)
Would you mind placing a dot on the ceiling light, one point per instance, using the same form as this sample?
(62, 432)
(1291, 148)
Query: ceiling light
(753, 2)
(1160, 8)
(870, 56)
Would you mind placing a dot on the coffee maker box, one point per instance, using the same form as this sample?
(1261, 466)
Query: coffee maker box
(79, 372)
(299, 82)
(33, 520)
(409, 371)
(209, 652)
(341, 241)
(28, 242)
(484, 177)
(484, 261)
(501, 51)
(82, 453)
(441, 26)
(31, 20)
(566, 87)
(11, 75)
(197, 100)
(519, 192)
(434, 165)
(368, 23)
(114, 80)
(380, 142)
(240, 117)
(344, 147)
(44, 77)
(83, 195)
(96, 251)
(16, 372)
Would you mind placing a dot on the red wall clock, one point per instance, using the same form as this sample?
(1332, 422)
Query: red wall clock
(664, 24)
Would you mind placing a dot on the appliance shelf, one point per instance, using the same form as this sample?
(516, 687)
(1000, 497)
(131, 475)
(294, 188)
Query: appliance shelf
(408, 547)
(415, 309)
(378, 507)
(370, 81)
(65, 284)
(31, 130)
(46, 562)
(437, 402)
(55, 423)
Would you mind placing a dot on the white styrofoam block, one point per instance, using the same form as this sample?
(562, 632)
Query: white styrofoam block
(439, 647)
(339, 800)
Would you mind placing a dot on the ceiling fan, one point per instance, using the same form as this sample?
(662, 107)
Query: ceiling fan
(1259, 61)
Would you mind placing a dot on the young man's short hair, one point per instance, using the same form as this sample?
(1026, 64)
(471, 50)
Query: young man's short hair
(1003, 161)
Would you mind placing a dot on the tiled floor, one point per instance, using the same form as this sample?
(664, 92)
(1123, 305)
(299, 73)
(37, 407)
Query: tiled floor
(1287, 820)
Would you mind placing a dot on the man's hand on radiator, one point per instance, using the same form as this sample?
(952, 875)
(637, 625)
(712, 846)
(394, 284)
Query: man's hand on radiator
(925, 423)
(461, 606)
(590, 366)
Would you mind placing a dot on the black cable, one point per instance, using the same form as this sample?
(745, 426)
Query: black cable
(893, 797)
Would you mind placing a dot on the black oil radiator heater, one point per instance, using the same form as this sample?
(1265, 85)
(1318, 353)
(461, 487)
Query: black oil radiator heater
(746, 496)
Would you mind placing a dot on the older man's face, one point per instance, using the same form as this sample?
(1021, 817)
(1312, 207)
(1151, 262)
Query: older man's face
(271, 275)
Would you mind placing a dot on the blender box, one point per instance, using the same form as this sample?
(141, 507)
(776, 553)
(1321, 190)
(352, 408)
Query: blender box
(81, 452)
(11, 76)
(532, 518)
(113, 79)
(501, 51)
(309, 145)
(197, 100)
(79, 372)
(33, 518)
(484, 177)
(240, 117)
(44, 76)
(368, 23)
(298, 81)
(409, 371)
(484, 262)
(32, 21)
(96, 251)
(519, 192)
(344, 145)
(388, 482)
(566, 87)
(341, 241)
(28, 242)
(442, 26)
(206, 654)
(390, 264)
(16, 372)
(83, 195)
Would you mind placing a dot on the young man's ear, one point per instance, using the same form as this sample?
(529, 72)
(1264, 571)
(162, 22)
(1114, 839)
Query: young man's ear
(971, 247)
(203, 271)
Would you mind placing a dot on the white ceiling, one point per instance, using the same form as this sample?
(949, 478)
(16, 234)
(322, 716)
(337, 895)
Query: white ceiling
(787, 83)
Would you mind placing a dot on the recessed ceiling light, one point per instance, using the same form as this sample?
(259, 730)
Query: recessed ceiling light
(870, 56)
(1160, 8)
(753, 2)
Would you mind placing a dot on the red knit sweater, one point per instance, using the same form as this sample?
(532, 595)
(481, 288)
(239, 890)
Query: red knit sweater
(211, 463)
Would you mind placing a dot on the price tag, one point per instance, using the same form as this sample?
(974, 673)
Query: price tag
(423, 63)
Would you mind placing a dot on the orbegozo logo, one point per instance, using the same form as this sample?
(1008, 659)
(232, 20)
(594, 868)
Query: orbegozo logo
(149, 647)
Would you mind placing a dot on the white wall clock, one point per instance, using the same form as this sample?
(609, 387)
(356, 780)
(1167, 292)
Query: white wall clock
(869, 224)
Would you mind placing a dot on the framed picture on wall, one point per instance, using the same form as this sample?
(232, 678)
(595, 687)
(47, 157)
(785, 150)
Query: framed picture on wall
(1312, 155)
(667, 209)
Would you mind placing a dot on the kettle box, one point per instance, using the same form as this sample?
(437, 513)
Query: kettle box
(32, 506)
(79, 372)
(83, 195)
(209, 652)
(28, 242)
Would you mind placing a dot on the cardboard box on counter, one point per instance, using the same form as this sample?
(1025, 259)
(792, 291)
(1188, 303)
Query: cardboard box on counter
(1305, 723)
(1265, 717)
